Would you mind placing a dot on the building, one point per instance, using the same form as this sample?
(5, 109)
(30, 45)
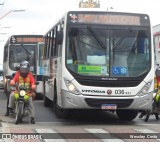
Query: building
(89, 4)
(156, 40)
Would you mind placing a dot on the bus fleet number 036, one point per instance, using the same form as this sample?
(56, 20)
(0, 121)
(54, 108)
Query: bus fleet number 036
(121, 92)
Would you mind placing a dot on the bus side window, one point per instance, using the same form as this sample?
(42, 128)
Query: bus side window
(56, 43)
(59, 37)
(46, 46)
(52, 43)
(49, 44)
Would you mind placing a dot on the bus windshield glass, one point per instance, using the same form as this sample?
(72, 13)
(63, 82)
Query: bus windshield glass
(109, 51)
(41, 49)
(17, 53)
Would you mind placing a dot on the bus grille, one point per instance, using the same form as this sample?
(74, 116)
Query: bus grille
(102, 83)
(121, 103)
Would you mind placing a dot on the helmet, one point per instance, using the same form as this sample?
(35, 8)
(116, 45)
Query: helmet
(24, 62)
(24, 68)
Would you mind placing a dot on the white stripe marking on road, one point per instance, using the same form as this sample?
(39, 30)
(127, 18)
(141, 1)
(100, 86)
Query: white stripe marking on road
(49, 131)
(100, 132)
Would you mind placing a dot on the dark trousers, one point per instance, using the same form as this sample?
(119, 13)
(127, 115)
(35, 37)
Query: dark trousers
(7, 108)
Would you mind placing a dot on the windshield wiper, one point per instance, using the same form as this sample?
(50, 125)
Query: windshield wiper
(122, 38)
(27, 51)
(96, 37)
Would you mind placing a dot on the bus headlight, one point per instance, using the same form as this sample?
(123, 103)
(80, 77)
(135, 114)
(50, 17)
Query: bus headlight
(71, 87)
(145, 89)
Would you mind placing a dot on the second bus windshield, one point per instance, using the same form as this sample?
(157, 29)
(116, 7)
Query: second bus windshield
(112, 51)
(17, 53)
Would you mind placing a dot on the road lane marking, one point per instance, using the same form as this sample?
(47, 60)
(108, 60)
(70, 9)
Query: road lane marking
(100, 134)
(43, 131)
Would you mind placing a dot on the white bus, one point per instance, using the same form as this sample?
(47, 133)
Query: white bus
(23, 47)
(99, 60)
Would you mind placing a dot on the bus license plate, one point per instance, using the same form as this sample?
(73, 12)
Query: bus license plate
(109, 106)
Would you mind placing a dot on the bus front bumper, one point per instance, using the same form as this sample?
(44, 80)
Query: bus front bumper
(72, 101)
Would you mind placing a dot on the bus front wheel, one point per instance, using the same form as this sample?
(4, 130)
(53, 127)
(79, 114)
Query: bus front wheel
(60, 112)
(127, 115)
(5, 88)
(47, 102)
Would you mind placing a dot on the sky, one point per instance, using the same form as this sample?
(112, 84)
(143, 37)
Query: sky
(40, 15)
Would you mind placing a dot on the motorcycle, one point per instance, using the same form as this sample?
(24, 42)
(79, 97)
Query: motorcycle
(21, 103)
(155, 108)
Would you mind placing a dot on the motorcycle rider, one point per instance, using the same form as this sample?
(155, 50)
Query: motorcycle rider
(24, 77)
(157, 97)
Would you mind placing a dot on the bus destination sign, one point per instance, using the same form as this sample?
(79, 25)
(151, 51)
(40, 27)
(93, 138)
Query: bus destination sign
(105, 19)
(18, 39)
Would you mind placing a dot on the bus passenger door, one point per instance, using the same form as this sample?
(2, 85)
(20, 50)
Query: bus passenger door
(52, 77)
(46, 78)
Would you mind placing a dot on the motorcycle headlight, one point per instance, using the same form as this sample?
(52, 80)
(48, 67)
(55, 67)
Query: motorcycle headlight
(22, 93)
(145, 89)
(71, 87)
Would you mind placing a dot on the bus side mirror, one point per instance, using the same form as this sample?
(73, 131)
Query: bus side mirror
(59, 37)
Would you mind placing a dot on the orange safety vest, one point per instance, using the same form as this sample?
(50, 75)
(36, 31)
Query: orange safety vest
(24, 82)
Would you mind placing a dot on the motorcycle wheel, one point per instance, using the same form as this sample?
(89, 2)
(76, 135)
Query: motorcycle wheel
(19, 113)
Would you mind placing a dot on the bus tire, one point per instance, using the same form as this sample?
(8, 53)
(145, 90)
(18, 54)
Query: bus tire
(47, 102)
(60, 112)
(55, 93)
(39, 96)
(5, 88)
(127, 115)
(44, 86)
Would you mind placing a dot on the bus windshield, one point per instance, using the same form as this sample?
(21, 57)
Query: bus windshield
(17, 53)
(109, 51)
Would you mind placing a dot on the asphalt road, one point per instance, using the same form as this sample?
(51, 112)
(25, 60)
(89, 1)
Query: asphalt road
(95, 123)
